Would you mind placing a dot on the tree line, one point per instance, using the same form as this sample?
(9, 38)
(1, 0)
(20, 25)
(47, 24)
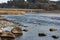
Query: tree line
(32, 5)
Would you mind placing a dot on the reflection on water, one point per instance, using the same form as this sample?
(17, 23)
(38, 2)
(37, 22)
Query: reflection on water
(37, 23)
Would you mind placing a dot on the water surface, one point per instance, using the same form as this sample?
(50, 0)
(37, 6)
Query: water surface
(37, 23)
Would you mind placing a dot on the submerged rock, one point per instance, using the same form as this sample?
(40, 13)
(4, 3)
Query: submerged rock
(52, 29)
(41, 34)
(17, 31)
(55, 36)
(25, 30)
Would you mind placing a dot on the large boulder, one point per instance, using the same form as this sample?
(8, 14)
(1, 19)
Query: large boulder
(7, 34)
(17, 31)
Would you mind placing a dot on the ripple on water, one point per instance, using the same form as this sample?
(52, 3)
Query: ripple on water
(37, 23)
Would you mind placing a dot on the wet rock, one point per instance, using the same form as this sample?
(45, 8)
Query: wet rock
(17, 31)
(52, 29)
(25, 30)
(7, 34)
(41, 34)
(55, 36)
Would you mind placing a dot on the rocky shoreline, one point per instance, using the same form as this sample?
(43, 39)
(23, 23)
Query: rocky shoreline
(5, 34)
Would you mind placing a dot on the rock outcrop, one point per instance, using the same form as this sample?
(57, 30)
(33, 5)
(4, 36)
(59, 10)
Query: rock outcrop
(17, 31)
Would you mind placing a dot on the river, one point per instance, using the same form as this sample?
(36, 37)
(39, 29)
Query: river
(37, 23)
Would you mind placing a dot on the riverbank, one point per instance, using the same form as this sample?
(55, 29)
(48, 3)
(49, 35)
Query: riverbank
(7, 11)
(53, 11)
(11, 12)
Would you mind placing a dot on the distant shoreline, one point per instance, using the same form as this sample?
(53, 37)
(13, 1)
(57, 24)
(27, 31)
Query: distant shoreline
(7, 11)
(53, 11)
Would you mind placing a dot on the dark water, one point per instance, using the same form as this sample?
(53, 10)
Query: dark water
(37, 23)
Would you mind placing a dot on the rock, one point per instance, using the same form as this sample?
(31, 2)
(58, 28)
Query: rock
(7, 39)
(7, 34)
(52, 29)
(1, 31)
(17, 31)
(25, 30)
(55, 36)
(41, 34)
